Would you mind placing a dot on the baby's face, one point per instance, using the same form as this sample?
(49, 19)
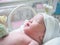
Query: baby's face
(35, 28)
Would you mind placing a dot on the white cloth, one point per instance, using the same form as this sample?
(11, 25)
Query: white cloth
(52, 27)
(55, 41)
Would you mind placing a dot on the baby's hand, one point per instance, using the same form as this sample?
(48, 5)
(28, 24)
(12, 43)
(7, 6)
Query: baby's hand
(34, 43)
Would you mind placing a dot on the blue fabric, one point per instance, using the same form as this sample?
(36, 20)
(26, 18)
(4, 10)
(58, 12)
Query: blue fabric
(57, 12)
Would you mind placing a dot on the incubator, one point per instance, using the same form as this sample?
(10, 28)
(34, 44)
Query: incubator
(15, 16)
(19, 15)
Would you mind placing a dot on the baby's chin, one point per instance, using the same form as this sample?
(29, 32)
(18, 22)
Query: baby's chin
(26, 28)
(31, 34)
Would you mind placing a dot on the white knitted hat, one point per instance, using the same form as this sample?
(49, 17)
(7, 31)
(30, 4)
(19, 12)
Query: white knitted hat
(52, 27)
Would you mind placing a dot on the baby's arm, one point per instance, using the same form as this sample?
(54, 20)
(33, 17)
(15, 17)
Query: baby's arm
(33, 43)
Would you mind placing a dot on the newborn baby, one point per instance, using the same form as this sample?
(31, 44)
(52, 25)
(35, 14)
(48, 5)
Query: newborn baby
(32, 34)
(35, 31)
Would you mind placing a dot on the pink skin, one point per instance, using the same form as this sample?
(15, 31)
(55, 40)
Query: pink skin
(18, 38)
(35, 28)
(33, 34)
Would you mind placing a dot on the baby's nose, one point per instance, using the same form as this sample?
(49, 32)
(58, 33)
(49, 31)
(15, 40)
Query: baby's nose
(27, 23)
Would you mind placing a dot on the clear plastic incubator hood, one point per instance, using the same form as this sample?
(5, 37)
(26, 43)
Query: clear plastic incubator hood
(18, 15)
(23, 12)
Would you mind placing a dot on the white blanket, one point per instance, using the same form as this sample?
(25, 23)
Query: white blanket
(55, 41)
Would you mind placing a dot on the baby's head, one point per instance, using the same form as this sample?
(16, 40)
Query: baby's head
(42, 27)
(35, 28)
